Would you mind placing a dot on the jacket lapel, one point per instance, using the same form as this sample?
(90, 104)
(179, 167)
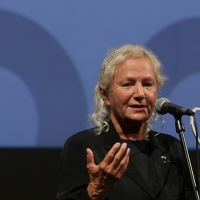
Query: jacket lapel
(161, 162)
(137, 170)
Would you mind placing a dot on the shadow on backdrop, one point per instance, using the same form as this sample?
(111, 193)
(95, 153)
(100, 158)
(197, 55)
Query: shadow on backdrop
(178, 47)
(30, 52)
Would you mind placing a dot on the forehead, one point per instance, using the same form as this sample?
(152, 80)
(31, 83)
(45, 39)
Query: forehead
(135, 65)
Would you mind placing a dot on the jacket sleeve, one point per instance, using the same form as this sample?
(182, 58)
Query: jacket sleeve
(72, 175)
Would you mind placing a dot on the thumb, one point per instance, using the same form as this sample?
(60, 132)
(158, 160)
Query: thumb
(89, 157)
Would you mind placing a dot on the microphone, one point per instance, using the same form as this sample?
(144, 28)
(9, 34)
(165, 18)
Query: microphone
(164, 106)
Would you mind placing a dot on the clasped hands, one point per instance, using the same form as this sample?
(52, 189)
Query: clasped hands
(104, 176)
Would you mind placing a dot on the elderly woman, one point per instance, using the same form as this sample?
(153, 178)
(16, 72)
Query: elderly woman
(121, 157)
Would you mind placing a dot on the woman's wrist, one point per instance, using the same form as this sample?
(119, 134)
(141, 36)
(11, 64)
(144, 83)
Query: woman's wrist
(96, 192)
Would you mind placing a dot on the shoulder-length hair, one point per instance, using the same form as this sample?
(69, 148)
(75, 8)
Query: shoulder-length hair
(115, 57)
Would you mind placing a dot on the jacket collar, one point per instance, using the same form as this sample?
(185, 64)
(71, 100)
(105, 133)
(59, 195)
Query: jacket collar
(111, 137)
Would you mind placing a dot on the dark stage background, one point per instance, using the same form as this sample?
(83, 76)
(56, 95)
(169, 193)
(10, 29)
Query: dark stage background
(29, 174)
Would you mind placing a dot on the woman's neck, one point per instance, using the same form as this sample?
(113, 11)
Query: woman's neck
(130, 131)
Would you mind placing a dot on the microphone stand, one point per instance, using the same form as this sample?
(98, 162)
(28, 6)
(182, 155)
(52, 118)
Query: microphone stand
(180, 129)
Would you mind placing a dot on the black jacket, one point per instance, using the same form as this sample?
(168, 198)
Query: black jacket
(171, 182)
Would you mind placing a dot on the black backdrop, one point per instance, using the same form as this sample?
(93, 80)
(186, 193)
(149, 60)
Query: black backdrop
(30, 174)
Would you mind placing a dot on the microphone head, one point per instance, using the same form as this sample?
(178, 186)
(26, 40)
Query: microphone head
(159, 104)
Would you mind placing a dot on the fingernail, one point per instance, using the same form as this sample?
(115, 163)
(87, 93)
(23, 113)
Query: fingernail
(124, 144)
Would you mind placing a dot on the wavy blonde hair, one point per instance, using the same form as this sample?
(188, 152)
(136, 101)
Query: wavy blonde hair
(115, 57)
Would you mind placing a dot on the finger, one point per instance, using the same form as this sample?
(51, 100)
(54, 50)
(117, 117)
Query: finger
(118, 168)
(111, 154)
(122, 166)
(122, 152)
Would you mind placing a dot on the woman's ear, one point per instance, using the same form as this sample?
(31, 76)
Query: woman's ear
(104, 95)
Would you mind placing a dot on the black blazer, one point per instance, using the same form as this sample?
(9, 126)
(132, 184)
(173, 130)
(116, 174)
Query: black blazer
(172, 180)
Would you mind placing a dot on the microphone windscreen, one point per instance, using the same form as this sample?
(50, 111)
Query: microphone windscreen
(159, 104)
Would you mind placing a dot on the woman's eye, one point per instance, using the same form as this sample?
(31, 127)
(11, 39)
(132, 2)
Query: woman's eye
(127, 84)
(148, 84)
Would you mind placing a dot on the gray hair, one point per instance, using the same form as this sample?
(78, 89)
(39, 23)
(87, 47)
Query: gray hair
(115, 57)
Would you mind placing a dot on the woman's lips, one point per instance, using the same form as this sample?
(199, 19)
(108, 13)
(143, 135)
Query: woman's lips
(137, 107)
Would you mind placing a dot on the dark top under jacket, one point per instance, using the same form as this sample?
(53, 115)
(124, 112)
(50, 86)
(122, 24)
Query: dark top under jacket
(156, 169)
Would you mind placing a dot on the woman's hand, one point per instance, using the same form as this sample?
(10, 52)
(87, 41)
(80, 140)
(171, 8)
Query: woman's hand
(104, 176)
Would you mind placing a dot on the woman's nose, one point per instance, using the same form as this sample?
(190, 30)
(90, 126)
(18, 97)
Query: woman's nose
(139, 91)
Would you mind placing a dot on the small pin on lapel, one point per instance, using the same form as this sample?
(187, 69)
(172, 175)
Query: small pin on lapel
(165, 161)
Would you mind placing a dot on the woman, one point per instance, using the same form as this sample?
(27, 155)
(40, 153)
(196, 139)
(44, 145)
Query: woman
(121, 157)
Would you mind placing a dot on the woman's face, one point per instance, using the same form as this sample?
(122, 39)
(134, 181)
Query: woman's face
(133, 91)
